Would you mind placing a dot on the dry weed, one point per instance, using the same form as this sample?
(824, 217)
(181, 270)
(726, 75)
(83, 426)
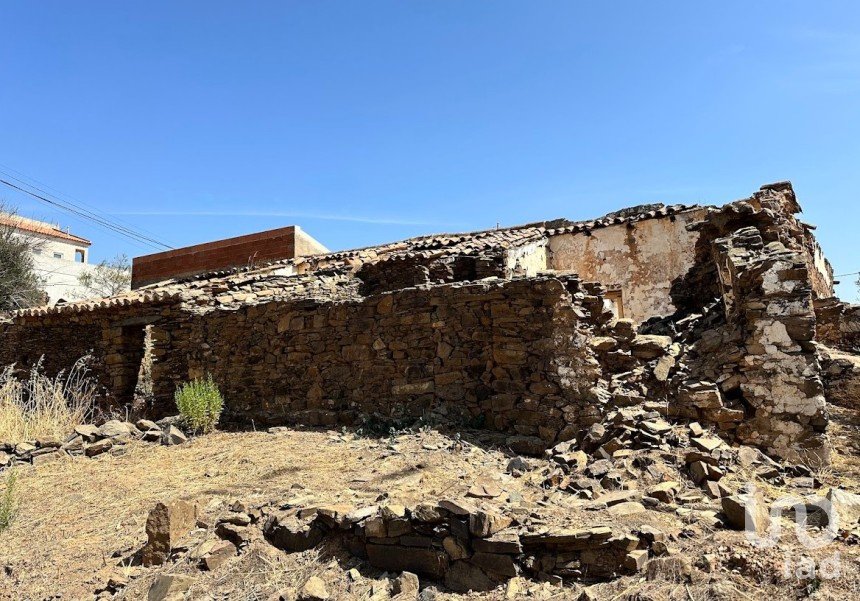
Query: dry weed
(41, 407)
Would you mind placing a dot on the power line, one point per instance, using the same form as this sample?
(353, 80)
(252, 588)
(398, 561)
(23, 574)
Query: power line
(842, 275)
(84, 213)
(60, 195)
(88, 215)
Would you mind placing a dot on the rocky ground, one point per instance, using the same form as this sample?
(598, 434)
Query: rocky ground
(642, 509)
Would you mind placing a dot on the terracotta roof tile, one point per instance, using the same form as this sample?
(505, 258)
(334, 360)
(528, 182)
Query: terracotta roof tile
(40, 227)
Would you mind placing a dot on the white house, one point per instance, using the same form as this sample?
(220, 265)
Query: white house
(59, 256)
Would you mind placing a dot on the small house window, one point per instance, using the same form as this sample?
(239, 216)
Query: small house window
(37, 251)
(614, 297)
(58, 255)
(79, 256)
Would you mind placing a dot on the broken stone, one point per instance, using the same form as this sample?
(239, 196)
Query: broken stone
(97, 448)
(426, 513)
(675, 568)
(168, 587)
(166, 525)
(220, 553)
(703, 395)
(484, 489)
(152, 435)
(486, 523)
(746, 512)
(405, 586)
(114, 428)
(635, 560)
(144, 424)
(619, 496)
(506, 543)
(707, 444)
(847, 507)
(646, 346)
(715, 490)
(173, 436)
(515, 589)
(89, 432)
(314, 589)
(665, 491)
(599, 468)
(651, 534)
(627, 508)
(458, 507)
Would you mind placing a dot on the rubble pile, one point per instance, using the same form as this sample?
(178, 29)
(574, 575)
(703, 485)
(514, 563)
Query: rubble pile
(90, 440)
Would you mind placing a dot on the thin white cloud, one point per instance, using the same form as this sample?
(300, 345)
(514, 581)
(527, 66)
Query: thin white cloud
(291, 214)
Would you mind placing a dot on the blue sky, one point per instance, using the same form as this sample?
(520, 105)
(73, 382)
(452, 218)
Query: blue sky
(369, 121)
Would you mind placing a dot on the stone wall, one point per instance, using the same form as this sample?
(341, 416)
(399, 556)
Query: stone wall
(461, 326)
(468, 546)
(838, 324)
(768, 304)
(113, 338)
(513, 353)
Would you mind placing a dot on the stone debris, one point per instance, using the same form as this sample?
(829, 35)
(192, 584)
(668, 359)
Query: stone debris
(847, 507)
(169, 587)
(747, 512)
(314, 589)
(166, 525)
(91, 441)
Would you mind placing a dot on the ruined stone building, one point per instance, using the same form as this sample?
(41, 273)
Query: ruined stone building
(713, 314)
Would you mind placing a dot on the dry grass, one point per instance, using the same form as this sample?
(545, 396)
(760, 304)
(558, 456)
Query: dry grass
(81, 520)
(40, 407)
(77, 513)
(8, 502)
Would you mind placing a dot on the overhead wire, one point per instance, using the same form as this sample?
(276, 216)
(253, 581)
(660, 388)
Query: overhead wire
(83, 213)
(61, 195)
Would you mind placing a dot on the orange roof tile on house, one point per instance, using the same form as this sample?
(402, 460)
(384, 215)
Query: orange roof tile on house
(40, 227)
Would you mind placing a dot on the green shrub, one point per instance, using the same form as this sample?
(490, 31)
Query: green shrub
(7, 501)
(200, 404)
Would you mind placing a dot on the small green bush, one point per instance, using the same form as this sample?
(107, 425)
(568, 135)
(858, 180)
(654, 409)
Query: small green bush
(200, 404)
(7, 501)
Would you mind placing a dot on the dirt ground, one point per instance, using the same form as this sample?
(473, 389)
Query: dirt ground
(82, 519)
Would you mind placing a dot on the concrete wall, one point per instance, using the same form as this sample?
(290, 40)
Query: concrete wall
(642, 261)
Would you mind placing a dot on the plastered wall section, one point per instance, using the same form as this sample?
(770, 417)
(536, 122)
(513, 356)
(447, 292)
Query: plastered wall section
(643, 260)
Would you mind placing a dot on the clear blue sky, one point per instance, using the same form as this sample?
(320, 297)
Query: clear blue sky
(368, 121)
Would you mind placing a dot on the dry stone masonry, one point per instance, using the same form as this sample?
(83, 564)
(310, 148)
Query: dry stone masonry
(723, 316)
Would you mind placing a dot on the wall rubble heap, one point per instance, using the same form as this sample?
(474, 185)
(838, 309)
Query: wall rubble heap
(537, 331)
